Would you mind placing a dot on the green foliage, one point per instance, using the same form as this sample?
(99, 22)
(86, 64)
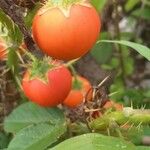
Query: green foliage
(128, 96)
(14, 33)
(4, 140)
(28, 114)
(142, 148)
(37, 136)
(99, 4)
(102, 51)
(30, 15)
(130, 4)
(35, 127)
(13, 60)
(142, 13)
(94, 141)
(143, 50)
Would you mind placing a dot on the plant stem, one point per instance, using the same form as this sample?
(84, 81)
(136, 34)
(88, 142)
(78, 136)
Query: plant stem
(118, 36)
(73, 71)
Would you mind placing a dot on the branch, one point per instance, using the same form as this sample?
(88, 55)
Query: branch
(14, 12)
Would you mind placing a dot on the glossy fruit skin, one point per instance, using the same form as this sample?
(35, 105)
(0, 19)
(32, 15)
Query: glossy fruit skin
(51, 93)
(76, 96)
(63, 37)
(3, 51)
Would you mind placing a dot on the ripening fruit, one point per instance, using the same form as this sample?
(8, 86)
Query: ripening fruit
(3, 51)
(79, 91)
(110, 104)
(66, 32)
(50, 91)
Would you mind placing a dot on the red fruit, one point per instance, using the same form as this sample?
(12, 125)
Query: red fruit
(78, 92)
(66, 33)
(50, 93)
(3, 51)
(110, 104)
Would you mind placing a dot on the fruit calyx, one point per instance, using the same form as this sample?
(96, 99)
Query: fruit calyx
(63, 5)
(40, 68)
(76, 85)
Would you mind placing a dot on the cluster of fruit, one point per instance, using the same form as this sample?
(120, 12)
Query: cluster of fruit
(64, 30)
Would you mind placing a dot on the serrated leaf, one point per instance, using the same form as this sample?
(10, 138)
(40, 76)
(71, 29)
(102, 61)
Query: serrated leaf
(94, 141)
(30, 113)
(37, 137)
(143, 50)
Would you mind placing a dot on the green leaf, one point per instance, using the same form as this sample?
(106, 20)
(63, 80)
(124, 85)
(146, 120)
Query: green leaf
(29, 113)
(5, 20)
(142, 13)
(143, 50)
(142, 148)
(14, 33)
(4, 140)
(12, 60)
(94, 141)
(37, 137)
(130, 4)
(102, 52)
(98, 4)
(30, 15)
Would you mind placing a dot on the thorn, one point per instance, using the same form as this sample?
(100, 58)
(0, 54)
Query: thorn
(131, 126)
(20, 57)
(124, 124)
(93, 94)
(92, 110)
(139, 126)
(108, 131)
(131, 104)
(111, 94)
(103, 81)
